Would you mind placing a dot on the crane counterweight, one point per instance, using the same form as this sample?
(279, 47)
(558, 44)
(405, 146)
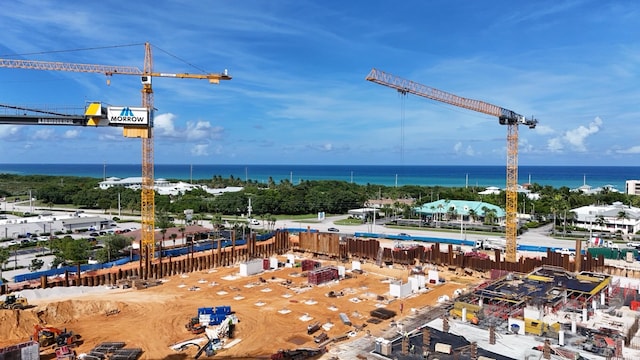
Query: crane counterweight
(147, 245)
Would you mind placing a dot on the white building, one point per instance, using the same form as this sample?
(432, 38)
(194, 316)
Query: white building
(608, 218)
(632, 187)
(590, 190)
(494, 190)
(163, 186)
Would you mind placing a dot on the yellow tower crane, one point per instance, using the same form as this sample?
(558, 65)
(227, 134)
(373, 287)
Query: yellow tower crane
(147, 246)
(505, 117)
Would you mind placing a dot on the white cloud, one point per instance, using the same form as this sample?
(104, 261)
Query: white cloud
(469, 151)
(8, 131)
(544, 130)
(631, 150)
(43, 134)
(71, 134)
(203, 130)
(459, 148)
(555, 145)
(575, 138)
(200, 150)
(163, 125)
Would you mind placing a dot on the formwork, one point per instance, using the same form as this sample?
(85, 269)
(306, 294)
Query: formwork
(320, 243)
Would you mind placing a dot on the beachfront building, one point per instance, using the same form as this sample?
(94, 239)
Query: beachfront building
(632, 187)
(461, 210)
(590, 190)
(613, 218)
(522, 189)
(163, 186)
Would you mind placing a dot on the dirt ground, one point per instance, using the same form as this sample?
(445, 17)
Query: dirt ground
(153, 319)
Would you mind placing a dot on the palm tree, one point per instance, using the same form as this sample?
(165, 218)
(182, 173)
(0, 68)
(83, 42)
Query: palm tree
(182, 229)
(622, 215)
(472, 214)
(4, 257)
(162, 231)
(601, 222)
(490, 216)
(558, 204)
(451, 212)
(173, 237)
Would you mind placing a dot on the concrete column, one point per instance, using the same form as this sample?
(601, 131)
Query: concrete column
(602, 299)
(584, 315)
(464, 314)
(561, 338)
(574, 327)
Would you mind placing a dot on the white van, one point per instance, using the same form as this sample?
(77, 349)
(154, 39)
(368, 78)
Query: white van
(254, 222)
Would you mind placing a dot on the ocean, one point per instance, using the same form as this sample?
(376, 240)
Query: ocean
(387, 175)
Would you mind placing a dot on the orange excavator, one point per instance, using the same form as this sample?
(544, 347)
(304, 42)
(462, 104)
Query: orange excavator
(50, 336)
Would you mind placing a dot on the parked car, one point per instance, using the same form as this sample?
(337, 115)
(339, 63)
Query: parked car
(565, 251)
(332, 229)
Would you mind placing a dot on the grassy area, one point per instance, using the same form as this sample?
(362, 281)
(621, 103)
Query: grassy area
(348, 221)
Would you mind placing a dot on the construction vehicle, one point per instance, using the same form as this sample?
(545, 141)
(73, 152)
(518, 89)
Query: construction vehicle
(47, 336)
(505, 117)
(147, 210)
(491, 244)
(194, 326)
(14, 302)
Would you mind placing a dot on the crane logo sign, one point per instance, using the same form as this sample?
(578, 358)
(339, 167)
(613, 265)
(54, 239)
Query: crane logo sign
(119, 115)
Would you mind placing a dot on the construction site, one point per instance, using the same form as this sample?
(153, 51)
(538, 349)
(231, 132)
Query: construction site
(317, 295)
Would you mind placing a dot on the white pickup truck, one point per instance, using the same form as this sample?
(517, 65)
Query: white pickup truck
(565, 251)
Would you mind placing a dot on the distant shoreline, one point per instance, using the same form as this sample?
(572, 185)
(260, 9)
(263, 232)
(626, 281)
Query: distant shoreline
(386, 175)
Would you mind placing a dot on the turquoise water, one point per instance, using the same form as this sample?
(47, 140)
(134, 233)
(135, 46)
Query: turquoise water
(448, 176)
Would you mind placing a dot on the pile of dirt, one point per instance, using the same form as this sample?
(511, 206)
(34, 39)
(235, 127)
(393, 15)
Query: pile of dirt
(18, 325)
(67, 311)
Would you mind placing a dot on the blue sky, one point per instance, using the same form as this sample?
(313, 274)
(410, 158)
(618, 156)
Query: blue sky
(299, 95)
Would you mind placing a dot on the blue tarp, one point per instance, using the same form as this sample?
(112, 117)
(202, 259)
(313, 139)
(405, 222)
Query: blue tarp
(122, 261)
(227, 243)
(417, 238)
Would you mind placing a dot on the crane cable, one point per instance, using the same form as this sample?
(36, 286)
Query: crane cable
(403, 99)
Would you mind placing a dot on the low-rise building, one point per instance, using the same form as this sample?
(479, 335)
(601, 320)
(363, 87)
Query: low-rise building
(613, 218)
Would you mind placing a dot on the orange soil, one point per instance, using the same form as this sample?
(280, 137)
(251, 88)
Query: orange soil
(154, 318)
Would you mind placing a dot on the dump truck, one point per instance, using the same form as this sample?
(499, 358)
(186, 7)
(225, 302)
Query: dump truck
(14, 302)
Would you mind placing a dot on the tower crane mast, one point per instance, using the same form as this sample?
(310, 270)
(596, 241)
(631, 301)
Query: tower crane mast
(147, 246)
(505, 117)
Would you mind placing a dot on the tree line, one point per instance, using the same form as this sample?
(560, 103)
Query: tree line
(285, 198)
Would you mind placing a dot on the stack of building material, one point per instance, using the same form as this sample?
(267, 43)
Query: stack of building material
(323, 275)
